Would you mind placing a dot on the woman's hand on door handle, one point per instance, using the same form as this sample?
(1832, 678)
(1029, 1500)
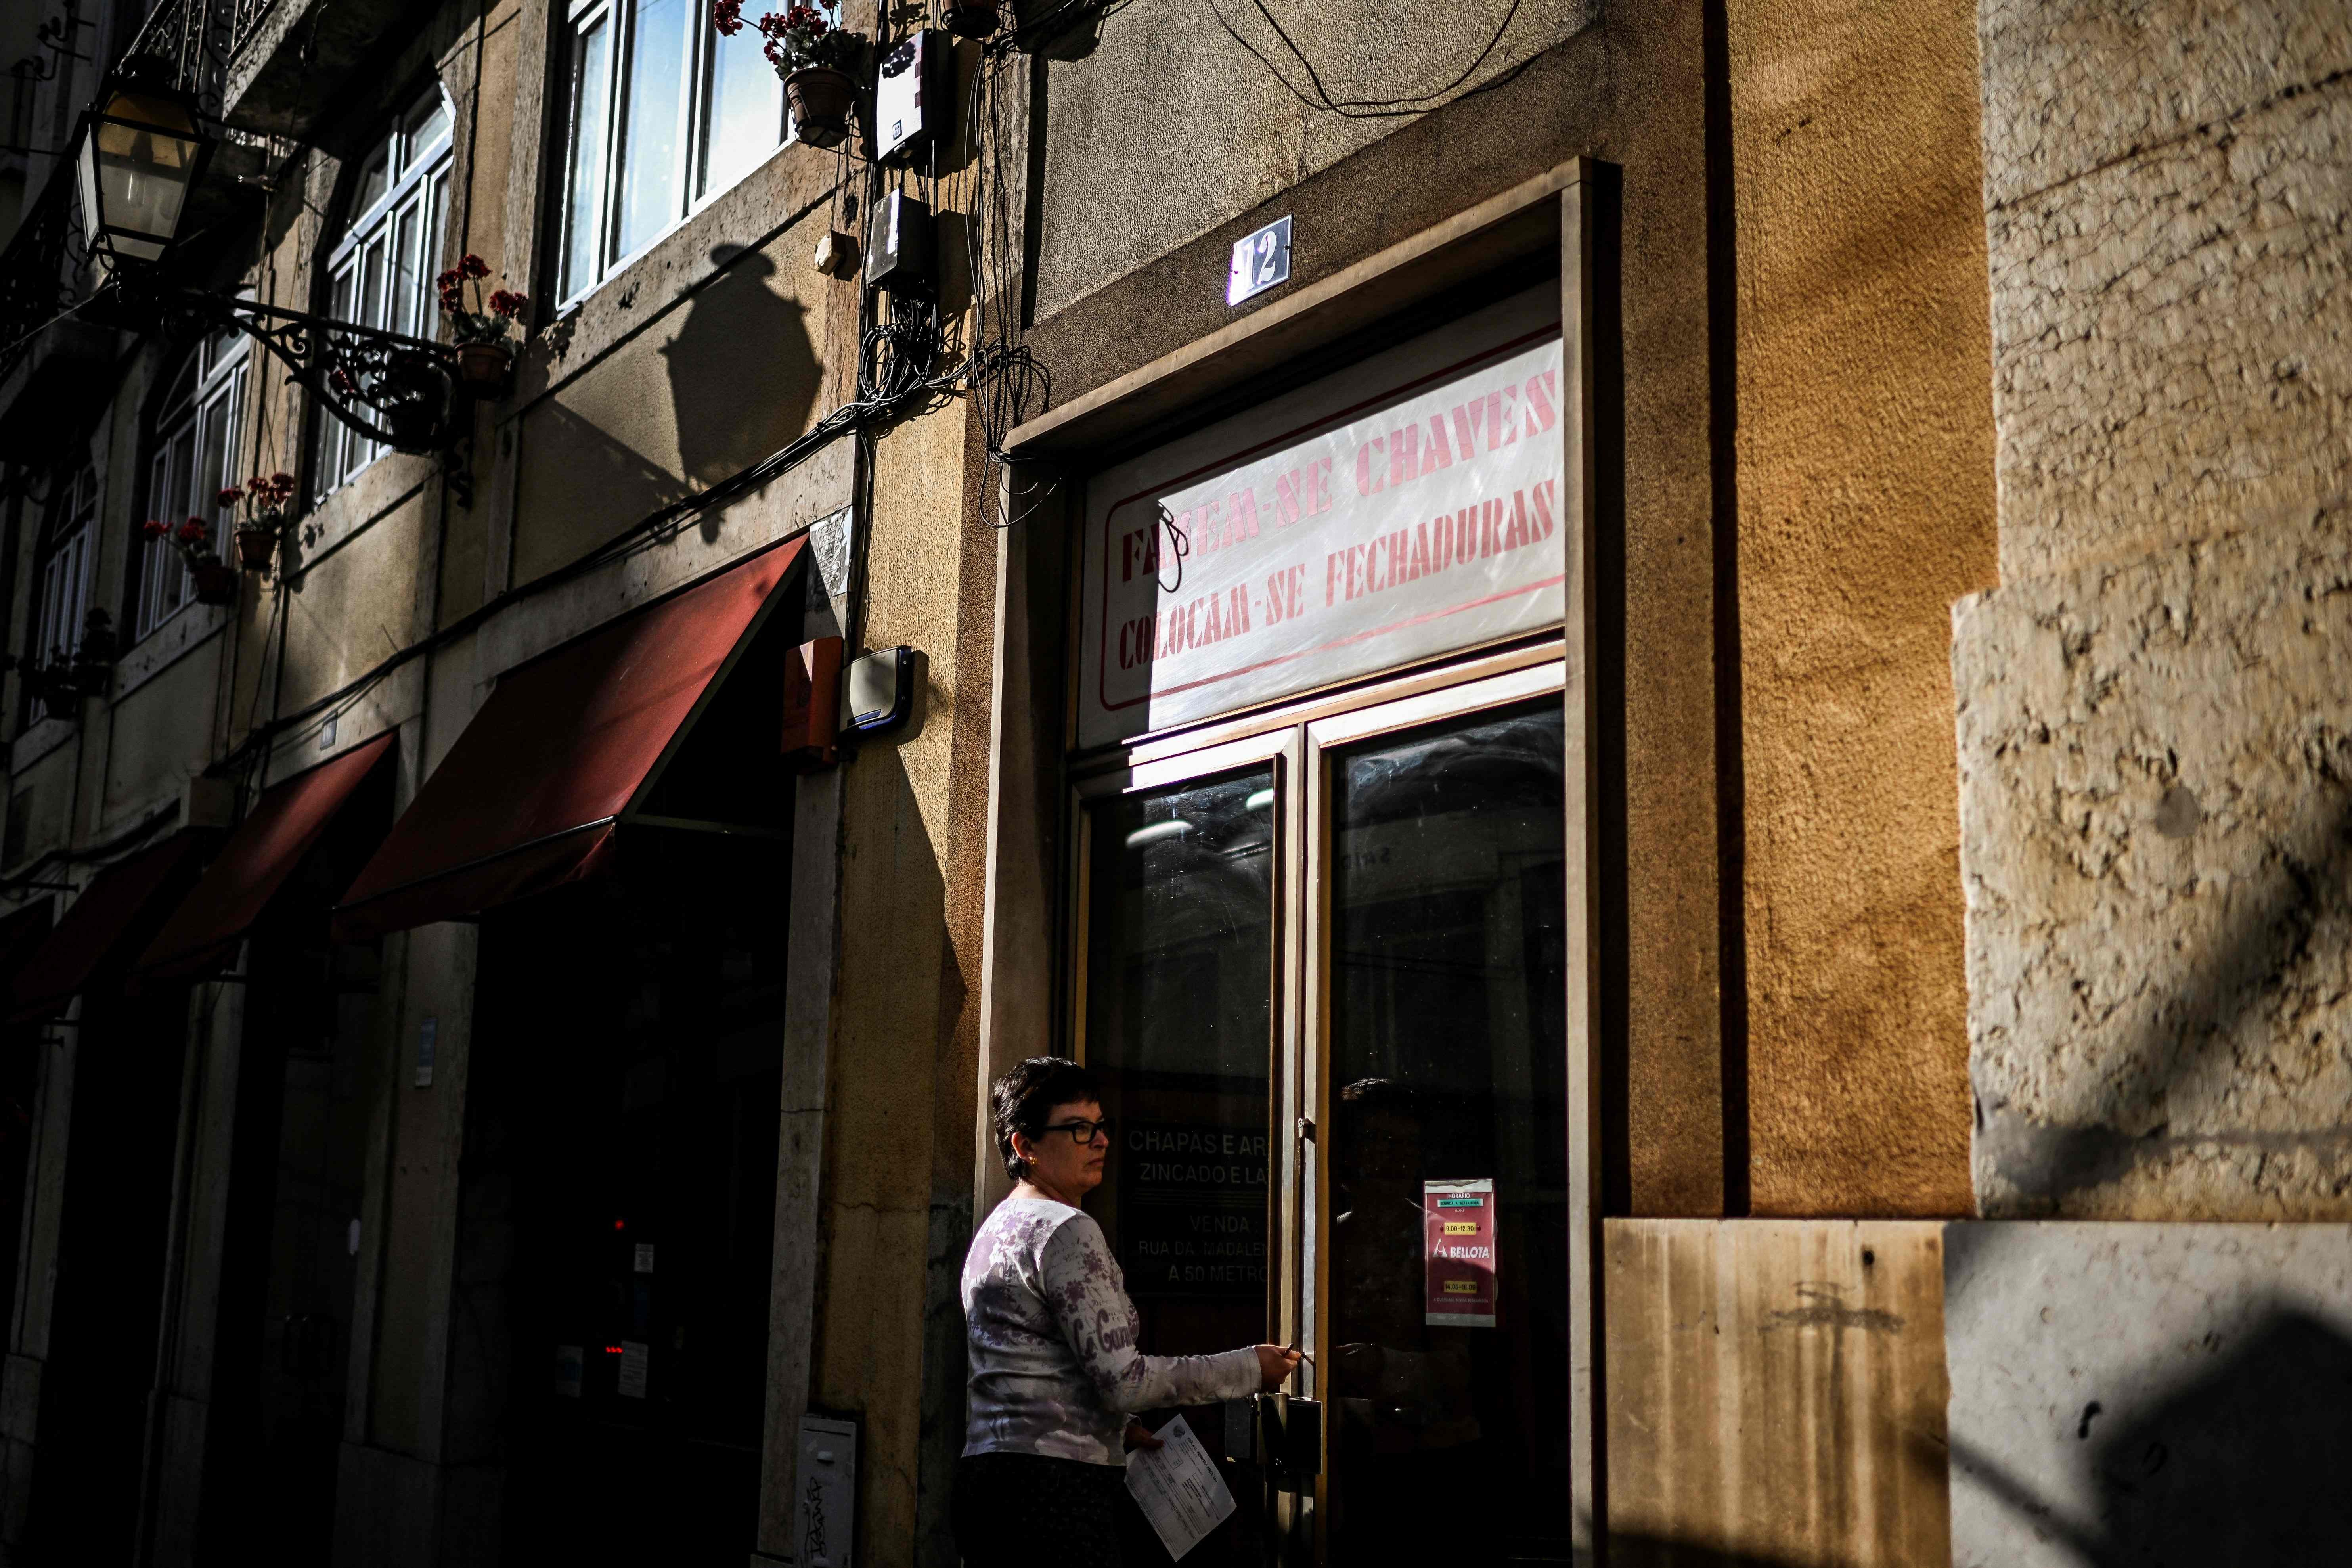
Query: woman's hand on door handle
(1276, 1363)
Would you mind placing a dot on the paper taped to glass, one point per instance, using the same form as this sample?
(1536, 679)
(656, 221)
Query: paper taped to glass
(1406, 506)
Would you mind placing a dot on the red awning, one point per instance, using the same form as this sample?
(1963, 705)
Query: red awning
(115, 911)
(528, 798)
(254, 864)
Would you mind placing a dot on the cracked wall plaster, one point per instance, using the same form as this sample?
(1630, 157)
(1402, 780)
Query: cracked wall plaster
(2156, 786)
(2168, 196)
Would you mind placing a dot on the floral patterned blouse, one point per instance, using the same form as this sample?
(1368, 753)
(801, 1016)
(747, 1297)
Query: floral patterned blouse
(1055, 1370)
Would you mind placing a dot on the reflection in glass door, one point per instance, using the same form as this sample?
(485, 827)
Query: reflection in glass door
(1385, 956)
(1443, 978)
(1178, 980)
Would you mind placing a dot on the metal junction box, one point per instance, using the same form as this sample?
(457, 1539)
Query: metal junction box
(913, 94)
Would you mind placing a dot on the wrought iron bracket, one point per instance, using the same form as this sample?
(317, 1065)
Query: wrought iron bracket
(388, 386)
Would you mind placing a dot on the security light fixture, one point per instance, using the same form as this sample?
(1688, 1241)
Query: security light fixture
(878, 692)
(142, 151)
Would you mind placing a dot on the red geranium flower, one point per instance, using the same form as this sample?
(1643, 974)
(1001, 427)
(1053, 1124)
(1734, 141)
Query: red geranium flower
(229, 496)
(155, 528)
(726, 15)
(193, 532)
(474, 265)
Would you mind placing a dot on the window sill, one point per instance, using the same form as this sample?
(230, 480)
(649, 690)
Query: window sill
(181, 632)
(38, 741)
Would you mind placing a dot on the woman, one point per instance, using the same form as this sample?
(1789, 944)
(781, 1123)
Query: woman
(1054, 1369)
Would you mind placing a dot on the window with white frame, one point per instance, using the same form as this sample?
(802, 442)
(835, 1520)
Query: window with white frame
(67, 560)
(664, 113)
(195, 458)
(380, 273)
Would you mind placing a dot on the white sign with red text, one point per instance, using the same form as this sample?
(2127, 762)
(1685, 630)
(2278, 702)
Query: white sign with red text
(1405, 506)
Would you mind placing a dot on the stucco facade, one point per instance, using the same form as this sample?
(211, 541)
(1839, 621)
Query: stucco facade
(1965, 451)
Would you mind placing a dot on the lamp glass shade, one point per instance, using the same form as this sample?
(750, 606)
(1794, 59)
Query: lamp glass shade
(138, 159)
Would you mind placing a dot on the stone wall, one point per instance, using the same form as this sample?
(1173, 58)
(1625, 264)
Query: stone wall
(2153, 714)
(2147, 1392)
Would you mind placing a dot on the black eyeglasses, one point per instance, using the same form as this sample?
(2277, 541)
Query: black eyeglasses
(1082, 1133)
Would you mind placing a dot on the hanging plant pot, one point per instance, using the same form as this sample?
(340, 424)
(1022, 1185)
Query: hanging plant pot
(971, 19)
(484, 367)
(823, 99)
(255, 546)
(216, 582)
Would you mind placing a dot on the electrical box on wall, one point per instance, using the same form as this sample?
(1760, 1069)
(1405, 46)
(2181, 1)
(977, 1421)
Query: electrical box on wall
(912, 95)
(824, 1524)
(898, 256)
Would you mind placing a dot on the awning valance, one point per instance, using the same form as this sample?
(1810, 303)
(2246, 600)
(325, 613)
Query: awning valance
(287, 819)
(106, 925)
(528, 798)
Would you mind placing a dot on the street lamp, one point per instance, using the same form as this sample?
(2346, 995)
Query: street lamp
(142, 151)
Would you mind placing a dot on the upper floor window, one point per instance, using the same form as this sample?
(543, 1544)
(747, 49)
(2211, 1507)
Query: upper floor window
(195, 458)
(380, 273)
(664, 113)
(68, 557)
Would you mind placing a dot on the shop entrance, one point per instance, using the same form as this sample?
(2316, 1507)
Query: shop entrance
(1323, 982)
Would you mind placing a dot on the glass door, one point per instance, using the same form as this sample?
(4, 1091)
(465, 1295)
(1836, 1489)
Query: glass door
(1323, 983)
(1180, 881)
(1436, 986)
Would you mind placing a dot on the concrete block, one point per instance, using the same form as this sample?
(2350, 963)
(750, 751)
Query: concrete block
(1775, 1392)
(2156, 808)
(2172, 339)
(2146, 1393)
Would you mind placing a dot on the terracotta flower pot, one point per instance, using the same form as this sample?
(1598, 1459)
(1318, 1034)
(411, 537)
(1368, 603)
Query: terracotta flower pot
(255, 546)
(823, 99)
(216, 582)
(971, 19)
(484, 366)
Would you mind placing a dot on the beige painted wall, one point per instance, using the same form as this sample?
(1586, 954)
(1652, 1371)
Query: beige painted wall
(1775, 1392)
(1865, 498)
(901, 984)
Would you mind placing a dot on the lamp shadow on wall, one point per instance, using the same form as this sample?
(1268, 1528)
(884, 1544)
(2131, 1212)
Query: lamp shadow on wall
(2241, 1461)
(743, 371)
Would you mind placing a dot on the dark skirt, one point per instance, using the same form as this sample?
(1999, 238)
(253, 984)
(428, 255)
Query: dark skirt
(1027, 1510)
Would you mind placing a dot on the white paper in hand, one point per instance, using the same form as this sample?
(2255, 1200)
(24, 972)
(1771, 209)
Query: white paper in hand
(1178, 1487)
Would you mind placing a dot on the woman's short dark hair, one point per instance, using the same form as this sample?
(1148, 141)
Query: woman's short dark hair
(1022, 1100)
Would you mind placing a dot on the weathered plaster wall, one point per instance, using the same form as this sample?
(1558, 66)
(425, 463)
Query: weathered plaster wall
(2167, 190)
(1866, 505)
(907, 975)
(2152, 707)
(1775, 1392)
(2148, 1393)
(1237, 135)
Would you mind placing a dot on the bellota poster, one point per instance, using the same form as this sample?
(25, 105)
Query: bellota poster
(1458, 1254)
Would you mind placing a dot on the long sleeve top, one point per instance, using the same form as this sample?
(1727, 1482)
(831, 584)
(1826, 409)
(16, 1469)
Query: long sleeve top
(1055, 1368)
